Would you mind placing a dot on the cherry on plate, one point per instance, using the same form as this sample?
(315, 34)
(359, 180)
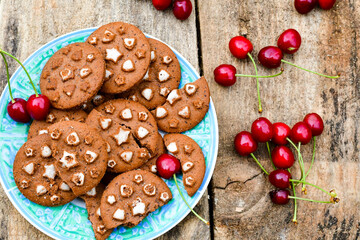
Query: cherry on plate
(225, 75)
(17, 110)
(281, 132)
(280, 178)
(182, 9)
(326, 4)
(262, 130)
(161, 4)
(240, 47)
(280, 196)
(167, 165)
(301, 132)
(282, 157)
(289, 41)
(244, 143)
(305, 6)
(38, 107)
(315, 122)
(270, 56)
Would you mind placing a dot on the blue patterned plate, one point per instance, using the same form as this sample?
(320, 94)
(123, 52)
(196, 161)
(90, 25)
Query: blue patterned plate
(70, 221)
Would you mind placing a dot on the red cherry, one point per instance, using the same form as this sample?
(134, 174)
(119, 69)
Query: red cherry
(289, 41)
(182, 9)
(304, 6)
(167, 165)
(282, 157)
(17, 110)
(262, 130)
(161, 4)
(225, 75)
(38, 107)
(281, 132)
(315, 122)
(240, 46)
(245, 143)
(270, 57)
(280, 196)
(280, 178)
(301, 132)
(326, 4)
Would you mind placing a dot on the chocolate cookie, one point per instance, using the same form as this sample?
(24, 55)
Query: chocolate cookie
(92, 200)
(136, 117)
(191, 158)
(73, 75)
(131, 196)
(54, 116)
(124, 152)
(127, 54)
(184, 108)
(151, 164)
(36, 176)
(163, 76)
(80, 153)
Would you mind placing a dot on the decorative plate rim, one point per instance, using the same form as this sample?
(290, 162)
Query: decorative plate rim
(212, 107)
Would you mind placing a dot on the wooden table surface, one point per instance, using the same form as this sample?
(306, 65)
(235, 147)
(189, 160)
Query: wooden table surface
(237, 201)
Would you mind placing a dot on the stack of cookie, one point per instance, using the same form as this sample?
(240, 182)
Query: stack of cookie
(110, 97)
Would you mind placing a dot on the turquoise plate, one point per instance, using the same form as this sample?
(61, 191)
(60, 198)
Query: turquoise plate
(70, 221)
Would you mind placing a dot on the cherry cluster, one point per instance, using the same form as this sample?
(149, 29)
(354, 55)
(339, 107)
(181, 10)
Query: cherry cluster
(282, 157)
(305, 6)
(181, 8)
(36, 107)
(270, 57)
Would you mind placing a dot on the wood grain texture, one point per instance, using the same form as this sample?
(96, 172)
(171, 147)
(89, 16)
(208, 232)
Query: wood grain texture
(242, 208)
(27, 25)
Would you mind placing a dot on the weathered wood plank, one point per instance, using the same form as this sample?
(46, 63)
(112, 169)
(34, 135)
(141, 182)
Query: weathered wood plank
(27, 25)
(330, 44)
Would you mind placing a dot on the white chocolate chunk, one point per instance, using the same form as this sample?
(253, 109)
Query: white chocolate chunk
(146, 77)
(143, 116)
(113, 55)
(101, 229)
(149, 189)
(138, 178)
(126, 156)
(92, 192)
(161, 112)
(119, 214)
(111, 163)
(90, 57)
(187, 166)
(111, 199)
(84, 72)
(142, 132)
(45, 151)
(90, 156)
(40, 190)
(128, 66)
(108, 74)
(167, 60)
(105, 122)
(126, 114)
(153, 169)
(173, 96)
(147, 93)
(153, 56)
(126, 191)
(163, 76)
(54, 198)
(68, 160)
(93, 40)
(164, 91)
(190, 89)
(184, 112)
(189, 181)
(129, 43)
(98, 212)
(122, 136)
(43, 131)
(29, 152)
(64, 187)
(172, 147)
(29, 168)
(138, 207)
(73, 139)
(108, 147)
(78, 179)
(66, 74)
(164, 196)
(50, 171)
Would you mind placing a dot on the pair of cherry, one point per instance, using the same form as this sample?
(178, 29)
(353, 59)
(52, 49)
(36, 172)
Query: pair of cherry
(282, 158)
(20, 110)
(270, 57)
(181, 8)
(305, 6)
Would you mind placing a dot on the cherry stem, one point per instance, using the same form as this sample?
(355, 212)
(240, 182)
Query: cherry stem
(310, 184)
(2, 51)
(268, 148)
(299, 156)
(295, 203)
(309, 200)
(312, 159)
(323, 75)
(256, 76)
(258, 163)
(187, 204)
(8, 76)
(257, 81)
